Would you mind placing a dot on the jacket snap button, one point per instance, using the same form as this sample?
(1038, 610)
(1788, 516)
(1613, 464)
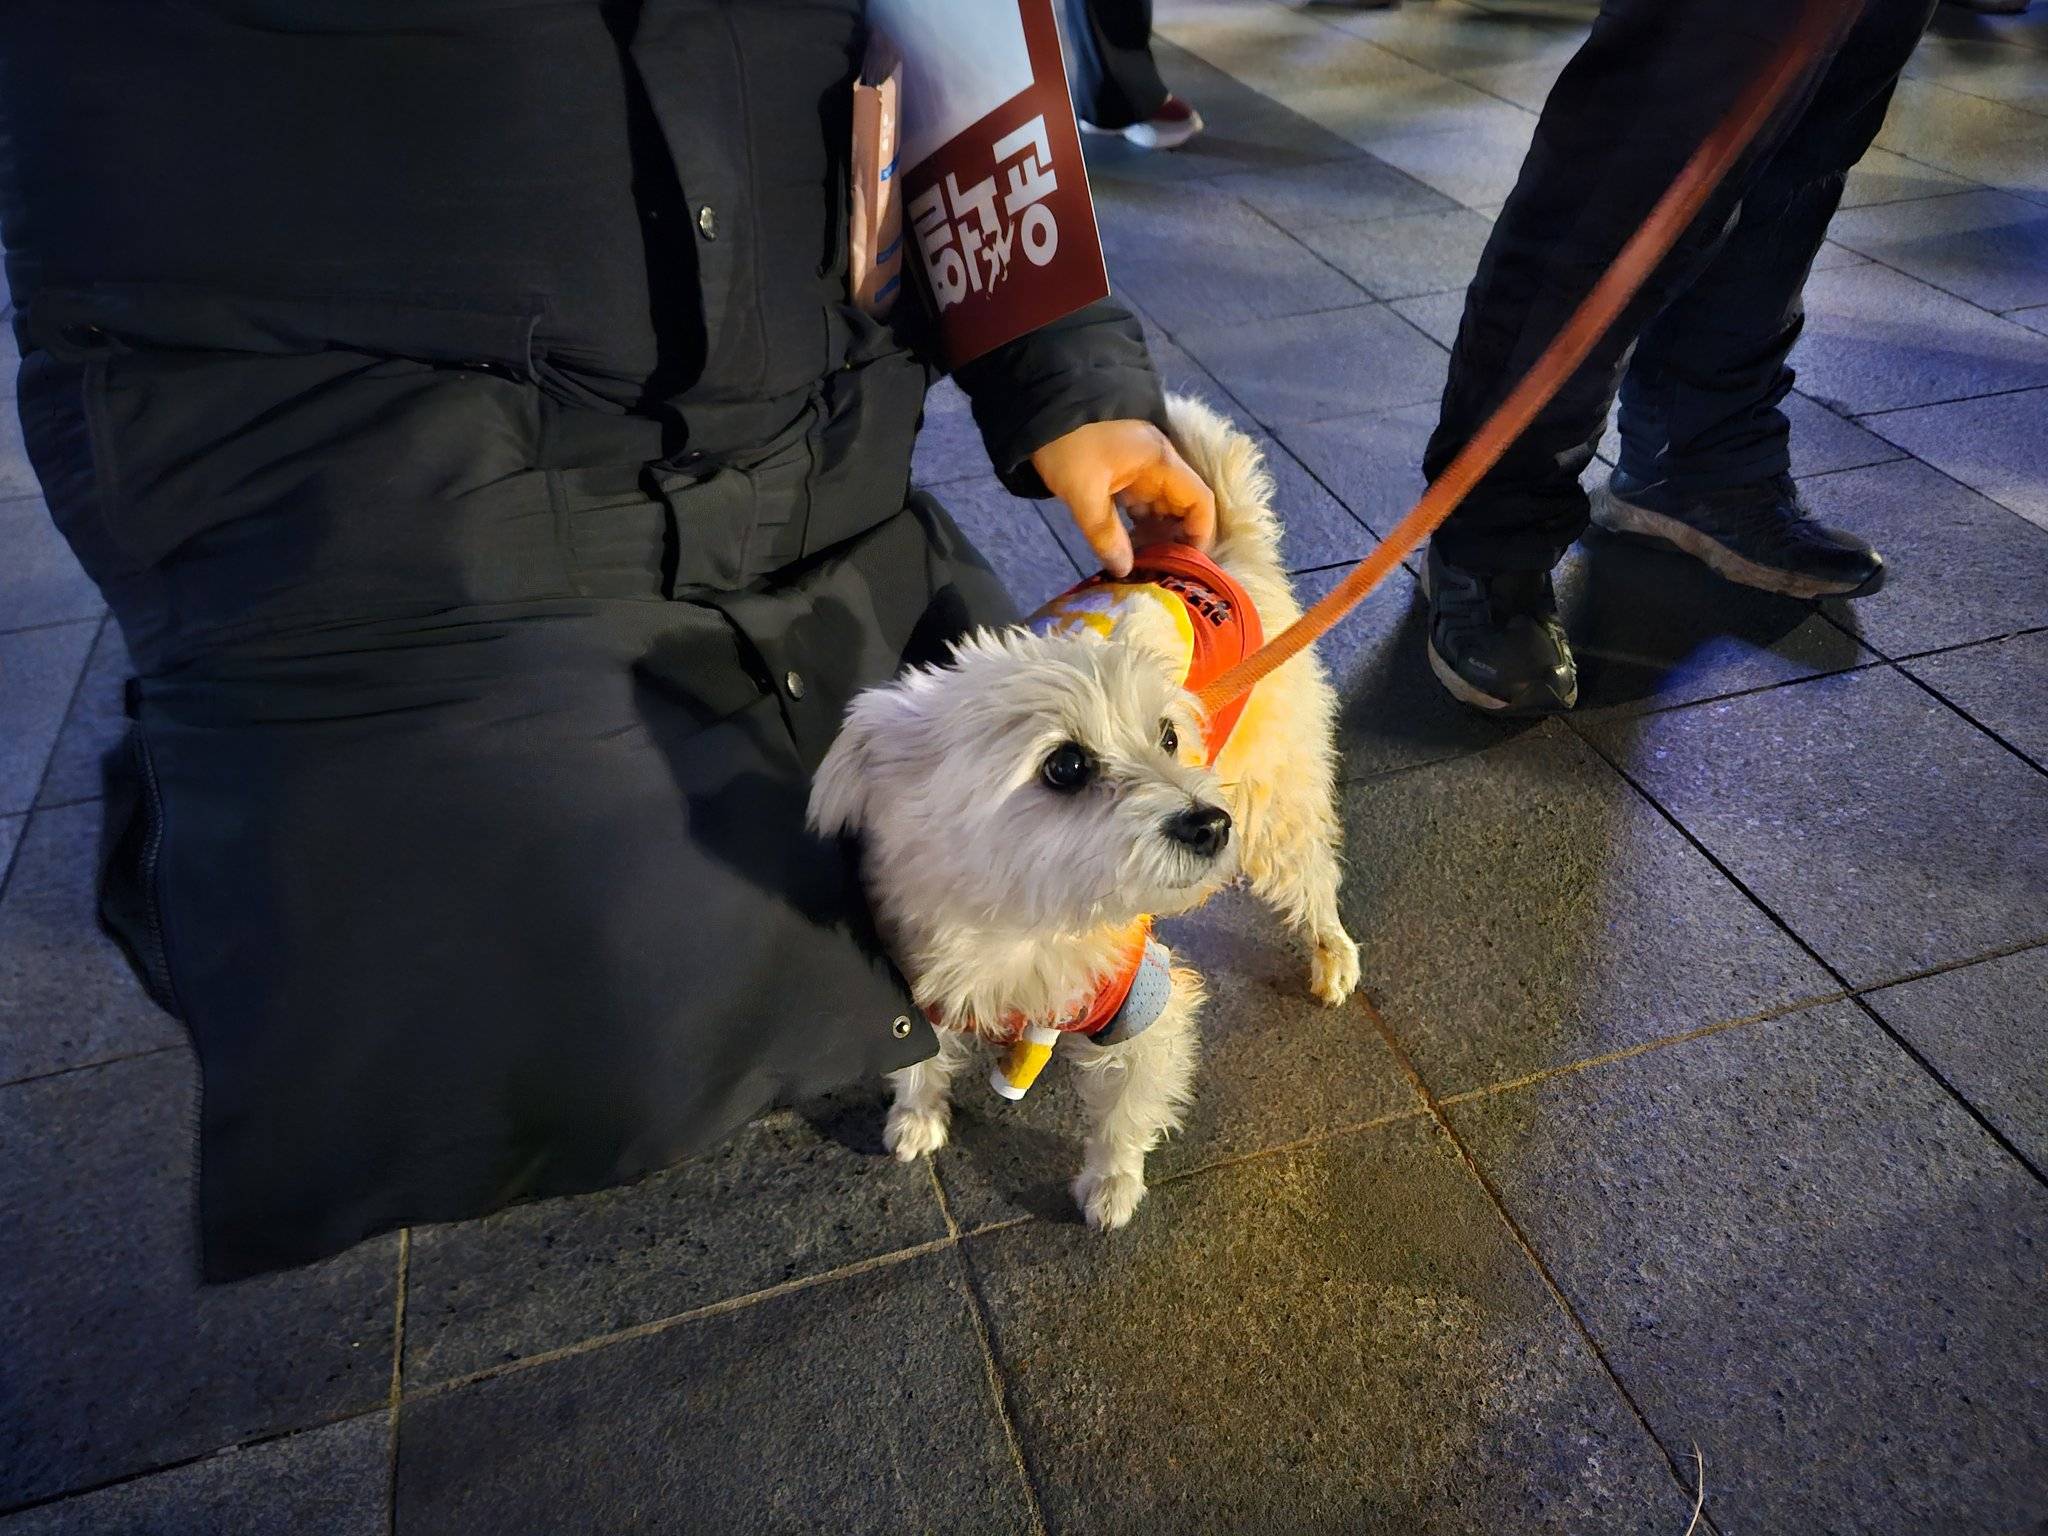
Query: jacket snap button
(794, 682)
(707, 221)
(900, 1027)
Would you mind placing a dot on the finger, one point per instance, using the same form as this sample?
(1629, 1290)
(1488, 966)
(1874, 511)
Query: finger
(1189, 497)
(1096, 517)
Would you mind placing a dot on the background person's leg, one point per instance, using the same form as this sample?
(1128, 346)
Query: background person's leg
(1700, 400)
(1109, 61)
(1629, 110)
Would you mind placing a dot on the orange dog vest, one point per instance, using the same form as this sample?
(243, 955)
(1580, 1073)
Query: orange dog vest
(1205, 611)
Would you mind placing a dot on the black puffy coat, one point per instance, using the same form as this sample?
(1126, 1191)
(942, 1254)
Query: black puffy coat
(457, 403)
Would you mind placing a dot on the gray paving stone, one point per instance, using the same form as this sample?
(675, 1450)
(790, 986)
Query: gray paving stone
(1013, 538)
(1436, 315)
(1527, 84)
(1653, 628)
(1303, 197)
(1981, 1028)
(1983, 66)
(324, 1482)
(1401, 257)
(96, 725)
(2000, 684)
(1343, 1339)
(17, 478)
(1886, 830)
(2035, 319)
(858, 1406)
(1523, 908)
(1984, 141)
(1313, 367)
(1994, 445)
(1244, 131)
(39, 670)
(1799, 1254)
(1472, 166)
(790, 1196)
(1276, 1066)
(1822, 442)
(66, 993)
(1958, 567)
(1181, 374)
(1395, 100)
(40, 582)
(1189, 254)
(1987, 247)
(129, 1361)
(948, 444)
(1877, 340)
(1883, 177)
(1372, 462)
(10, 836)
(1831, 256)
(1461, 40)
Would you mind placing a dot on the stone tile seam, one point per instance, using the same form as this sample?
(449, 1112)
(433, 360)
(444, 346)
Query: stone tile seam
(1811, 953)
(1978, 725)
(43, 777)
(992, 1370)
(8, 631)
(1521, 1240)
(178, 1463)
(397, 1394)
(959, 1239)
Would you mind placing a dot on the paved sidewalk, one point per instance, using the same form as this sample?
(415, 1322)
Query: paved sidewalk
(1698, 1098)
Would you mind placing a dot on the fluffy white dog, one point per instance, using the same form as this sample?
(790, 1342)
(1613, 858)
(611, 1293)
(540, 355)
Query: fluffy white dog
(1027, 807)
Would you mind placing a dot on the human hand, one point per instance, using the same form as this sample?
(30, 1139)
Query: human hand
(1132, 464)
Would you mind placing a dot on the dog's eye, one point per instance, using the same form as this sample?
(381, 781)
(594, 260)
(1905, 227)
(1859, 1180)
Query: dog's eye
(1067, 768)
(1169, 738)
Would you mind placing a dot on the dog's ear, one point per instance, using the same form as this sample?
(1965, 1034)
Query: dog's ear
(839, 791)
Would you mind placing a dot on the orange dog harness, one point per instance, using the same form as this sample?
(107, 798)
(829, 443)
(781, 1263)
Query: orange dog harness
(1208, 612)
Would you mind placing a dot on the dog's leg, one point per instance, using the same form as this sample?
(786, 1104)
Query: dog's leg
(923, 1110)
(1291, 843)
(1135, 1092)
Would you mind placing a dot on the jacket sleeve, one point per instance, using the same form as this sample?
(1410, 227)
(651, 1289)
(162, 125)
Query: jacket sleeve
(1090, 366)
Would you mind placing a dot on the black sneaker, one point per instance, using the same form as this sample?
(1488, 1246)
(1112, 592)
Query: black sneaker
(1495, 642)
(1758, 535)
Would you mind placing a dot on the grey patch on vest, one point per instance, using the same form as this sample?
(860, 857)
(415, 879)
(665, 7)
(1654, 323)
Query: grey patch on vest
(1151, 990)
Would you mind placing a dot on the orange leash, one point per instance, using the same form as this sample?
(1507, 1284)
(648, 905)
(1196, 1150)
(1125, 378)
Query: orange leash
(1650, 244)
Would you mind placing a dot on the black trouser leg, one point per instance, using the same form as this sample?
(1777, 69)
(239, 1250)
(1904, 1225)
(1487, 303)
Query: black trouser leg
(1650, 82)
(1700, 399)
(1109, 61)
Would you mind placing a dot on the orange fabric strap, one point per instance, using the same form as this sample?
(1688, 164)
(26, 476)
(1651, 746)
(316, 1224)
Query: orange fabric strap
(1819, 21)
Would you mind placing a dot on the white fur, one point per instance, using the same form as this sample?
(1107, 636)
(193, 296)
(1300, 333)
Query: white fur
(1001, 898)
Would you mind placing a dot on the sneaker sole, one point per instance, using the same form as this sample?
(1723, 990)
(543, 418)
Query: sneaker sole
(1149, 135)
(1625, 517)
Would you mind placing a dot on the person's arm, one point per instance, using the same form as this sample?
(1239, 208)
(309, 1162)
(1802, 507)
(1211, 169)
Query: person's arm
(1075, 410)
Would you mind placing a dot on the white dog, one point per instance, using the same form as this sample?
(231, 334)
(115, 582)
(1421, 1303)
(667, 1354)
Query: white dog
(1025, 808)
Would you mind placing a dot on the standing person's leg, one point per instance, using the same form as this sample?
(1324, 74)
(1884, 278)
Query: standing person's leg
(1648, 84)
(1705, 458)
(1115, 83)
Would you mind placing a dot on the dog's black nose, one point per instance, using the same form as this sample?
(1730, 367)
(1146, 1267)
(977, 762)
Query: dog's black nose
(1204, 828)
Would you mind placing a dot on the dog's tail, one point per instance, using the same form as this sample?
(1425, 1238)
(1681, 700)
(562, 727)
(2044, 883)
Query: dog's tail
(1247, 532)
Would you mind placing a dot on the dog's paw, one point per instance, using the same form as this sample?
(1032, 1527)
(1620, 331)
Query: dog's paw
(1333, 973)
(1109, 1200)
(914, 1133)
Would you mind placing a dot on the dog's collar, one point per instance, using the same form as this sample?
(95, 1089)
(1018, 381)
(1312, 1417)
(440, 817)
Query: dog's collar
(1217, 622)
(1124, 1003)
